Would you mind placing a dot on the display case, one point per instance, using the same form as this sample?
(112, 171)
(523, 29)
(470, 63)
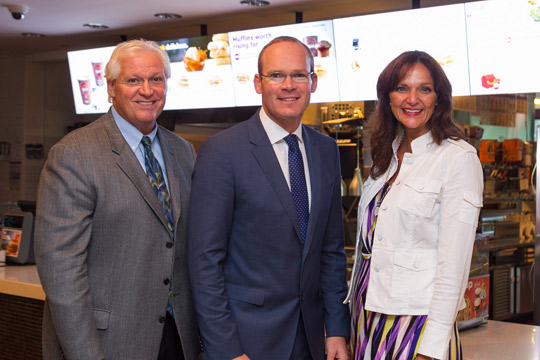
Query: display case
(477, 292)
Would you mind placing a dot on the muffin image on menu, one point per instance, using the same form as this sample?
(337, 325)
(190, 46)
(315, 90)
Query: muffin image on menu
(219, 49)
(194, 59)
(323, 48)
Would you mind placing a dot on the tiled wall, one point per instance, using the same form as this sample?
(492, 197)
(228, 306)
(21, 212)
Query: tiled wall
(11, 119)
(37, 107)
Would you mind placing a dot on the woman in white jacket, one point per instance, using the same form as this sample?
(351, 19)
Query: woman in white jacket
(417, 219)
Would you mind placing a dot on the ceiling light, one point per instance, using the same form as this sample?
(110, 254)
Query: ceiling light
(167, 16)
(255, 2)
(95, 26)
(32, 35)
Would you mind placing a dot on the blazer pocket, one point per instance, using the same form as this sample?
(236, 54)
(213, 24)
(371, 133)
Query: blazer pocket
(414, 274)
(420, 196)
(248, 294)
(101, 317)
(470, 208)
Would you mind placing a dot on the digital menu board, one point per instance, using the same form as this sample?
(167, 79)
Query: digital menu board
(366, 44)
(503, 38)
(87, 70)
(245, 47)
(201, 74)
(484, 47)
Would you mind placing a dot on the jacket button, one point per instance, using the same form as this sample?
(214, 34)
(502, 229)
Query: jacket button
(421, 187)
(398, 182)
(166, 281)
(376, 268)
(161, 319)
(169, 245)
(409, 161)
(416, 264)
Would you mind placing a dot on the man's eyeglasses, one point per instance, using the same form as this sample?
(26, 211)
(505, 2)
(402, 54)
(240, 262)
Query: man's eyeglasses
(278, 78)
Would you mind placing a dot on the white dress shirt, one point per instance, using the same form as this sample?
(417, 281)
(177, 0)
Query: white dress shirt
(276, 134)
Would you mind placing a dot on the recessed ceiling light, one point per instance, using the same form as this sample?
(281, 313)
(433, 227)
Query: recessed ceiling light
(95, 26)
(167, 16)
(255, 2)
(32, 35)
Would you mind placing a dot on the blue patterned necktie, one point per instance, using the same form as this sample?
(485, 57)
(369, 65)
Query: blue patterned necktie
(298, 183)
(155, 175)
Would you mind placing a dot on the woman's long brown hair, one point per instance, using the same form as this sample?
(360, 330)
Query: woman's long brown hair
(384, 126)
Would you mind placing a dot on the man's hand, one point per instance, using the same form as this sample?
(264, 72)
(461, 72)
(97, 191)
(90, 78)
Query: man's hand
(336, 348)
(243, 357)
(422, 357)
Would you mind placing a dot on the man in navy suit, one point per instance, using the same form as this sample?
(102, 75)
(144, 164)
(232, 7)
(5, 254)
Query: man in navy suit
(269, 279)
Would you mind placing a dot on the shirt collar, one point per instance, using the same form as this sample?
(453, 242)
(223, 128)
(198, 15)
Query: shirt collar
(418, 145)
(131, 134)
(274, 131)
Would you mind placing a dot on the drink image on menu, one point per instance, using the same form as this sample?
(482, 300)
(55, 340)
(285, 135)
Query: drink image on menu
(97, 67)
(84, 86)
(323, 48)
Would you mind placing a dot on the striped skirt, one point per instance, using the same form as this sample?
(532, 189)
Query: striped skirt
(391, 337)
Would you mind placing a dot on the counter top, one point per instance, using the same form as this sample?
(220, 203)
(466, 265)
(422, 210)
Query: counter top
(499, 340)
(21, 280)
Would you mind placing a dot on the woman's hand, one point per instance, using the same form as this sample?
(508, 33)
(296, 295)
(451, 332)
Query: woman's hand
(422, 357)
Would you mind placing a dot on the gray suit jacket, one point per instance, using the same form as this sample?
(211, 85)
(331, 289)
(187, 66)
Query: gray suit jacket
(103, 250)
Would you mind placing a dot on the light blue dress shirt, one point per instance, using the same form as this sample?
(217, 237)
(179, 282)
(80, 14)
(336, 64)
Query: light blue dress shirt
(133, 137)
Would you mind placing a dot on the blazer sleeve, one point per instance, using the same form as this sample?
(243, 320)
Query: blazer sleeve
(62, 235)
(334, 264)
(210, 219)
(461, 200)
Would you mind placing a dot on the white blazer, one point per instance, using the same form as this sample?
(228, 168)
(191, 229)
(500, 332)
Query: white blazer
(424, 236)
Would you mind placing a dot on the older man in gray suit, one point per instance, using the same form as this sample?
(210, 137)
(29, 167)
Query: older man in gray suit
(111, 226)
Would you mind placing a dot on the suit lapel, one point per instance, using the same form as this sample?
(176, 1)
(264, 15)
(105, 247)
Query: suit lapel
(266, 157)
(127, 161)
(172, 168)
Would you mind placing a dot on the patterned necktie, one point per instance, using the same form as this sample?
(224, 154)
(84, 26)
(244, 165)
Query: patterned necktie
(155, 175)
(298, 183)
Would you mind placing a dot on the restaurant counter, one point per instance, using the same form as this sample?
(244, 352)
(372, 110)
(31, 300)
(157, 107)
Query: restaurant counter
(21, 280)
(21, 312)
(499, 340)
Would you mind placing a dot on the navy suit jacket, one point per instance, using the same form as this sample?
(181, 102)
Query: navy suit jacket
(250, 275)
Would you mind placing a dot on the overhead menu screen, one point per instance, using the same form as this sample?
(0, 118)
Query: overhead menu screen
(87, 70)
(366, 44)
(201, 75)
(245, 47)
(503, 38)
